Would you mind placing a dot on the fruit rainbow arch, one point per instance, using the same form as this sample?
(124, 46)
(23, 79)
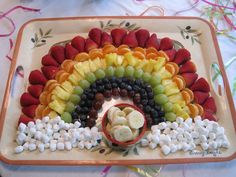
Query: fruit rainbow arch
(72, 73)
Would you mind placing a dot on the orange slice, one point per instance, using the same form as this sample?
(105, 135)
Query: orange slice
(175, 66)
(163, 54)
(43, 98)
(179, 80)
(200, 109)
(68, 65)
(109, 49)
(49, 83)
(59, 73)
(122, 51)
(83, 56)
(95, 53)
(151, 50)
(186, 96)
(169, 67)
(46, 111)
(138, 55)
(63, 77)
(190, 92)
(140, 49)
(123, 46)
(49, 98)
(52, 86)
(194, 111)
(151, 56)
(38, 111)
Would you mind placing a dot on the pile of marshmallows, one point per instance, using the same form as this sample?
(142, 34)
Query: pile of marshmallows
(186, 135)
(55, 134)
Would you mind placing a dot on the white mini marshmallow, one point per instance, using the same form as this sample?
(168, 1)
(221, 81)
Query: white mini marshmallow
(38, 135)
(180, 137)
(187, 135)
(56, 120)
(49, 131)
(173, 134)
(204, 146)
(53, 147)
(165, 138)
(61, 124)
(212, 136)
(174, 125)
(22, 127)
(41, 147)
(197, 141)
(87, 135)
(31, 124)
(32, 130)
(167, 131)
(173, 148)
(19, 149)
(212, 145)
(68, 145)
(45, 138)
(195, 134)
(56, 128)
(74, 145)
(184, 126)
(225, 144)
(197, 119)
(192, 145)
(56, 135)
(32, 147)
(165, 149)
(88, 145)
(77, 124)
(206, 122)
(94, 129)
(66, 136)
(189, 121)
(81, 145)
(39, 126)
(149, 137)
(179, 120)
(45, 119)
(155, 139)
(94, 142)
(60, 146)
(152, 145)
(47, 145)
(144, 142)
(21, 137)
(180, 130)
(26, 146)
(162, 125)
(203, 138)
(66, 126)
(185, 146)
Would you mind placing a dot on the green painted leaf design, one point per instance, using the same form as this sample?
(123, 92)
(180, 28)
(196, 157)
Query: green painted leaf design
(40, 32)
(122, 23)
(177, 45)
(126, 153)
(192, 39)
(109, 151)
(109, 21)
(136, 151)
(36, 37)
(101, 24)
(96, 148)
(182, 33)
(48, 32)
(39, 45)
(195, 39)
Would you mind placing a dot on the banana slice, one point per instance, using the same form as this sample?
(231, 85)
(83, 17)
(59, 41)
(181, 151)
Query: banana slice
(115, 114)
(119, 121)
(127, 110)
(110, 112)
(135, 133)
(135, 120)
(123, 133)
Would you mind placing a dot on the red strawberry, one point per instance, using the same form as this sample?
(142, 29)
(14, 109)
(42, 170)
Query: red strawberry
(130, 40)
(209, 115)
(48, 60)
(188, 67)
(78, 42)
(26, 100)
(201, 85)
(25, 120)
(166, 44)
(200, 97)
(58, 52)
(152, 42)
(210, 105)
(182, 55)
(106, 39)
(142, 36)
(95, 34)
(29, 110)
(35, 90)
(171, 54)
(118, 35)
(70, 52)
(189, 78)
(90, 44)
(49, 71)
(36, 77)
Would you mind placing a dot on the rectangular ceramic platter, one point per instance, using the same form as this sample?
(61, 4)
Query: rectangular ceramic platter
(29, 57)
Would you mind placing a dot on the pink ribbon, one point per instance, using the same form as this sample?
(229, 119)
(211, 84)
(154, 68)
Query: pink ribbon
(105, 170)
(217, 5)
(11, 46)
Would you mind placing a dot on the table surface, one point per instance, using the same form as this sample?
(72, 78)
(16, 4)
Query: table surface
(53, 8)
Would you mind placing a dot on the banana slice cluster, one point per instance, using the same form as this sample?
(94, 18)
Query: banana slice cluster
(123, 125)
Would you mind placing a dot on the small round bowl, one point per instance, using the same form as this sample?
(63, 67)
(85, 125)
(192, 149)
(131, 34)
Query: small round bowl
(128, 143)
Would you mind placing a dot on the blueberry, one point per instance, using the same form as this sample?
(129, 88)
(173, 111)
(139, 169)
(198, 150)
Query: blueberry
(150, 95)
(83, 117)
(114, 85)
(125, 79)
(78, 109)
(83, 123)
(74, 115)
(155, 121)
(119, 80)
(144, 102)
(140, 106)
(99, 82)
(157, 107)
(108, 86)
(147, 109)
(154, 114)
(89, 103)
(113, 79)
(122, 85)
(148, 88)
(94, 90)
(91, 96)
(83, 97)
(131, 94)
(106, 81)
(136, 88)
(82, 103)
(162, 119)
(85, 110)
(93, 85)
(100, 88)
(151, 102)
(161, 113)
(188, 27)
(128, 87)
(107, 93)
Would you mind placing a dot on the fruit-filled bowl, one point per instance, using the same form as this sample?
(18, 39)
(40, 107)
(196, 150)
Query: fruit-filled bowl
(119, 128)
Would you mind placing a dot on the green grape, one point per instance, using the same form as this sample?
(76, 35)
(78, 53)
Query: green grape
(146, 76)
(109, 71)
(70, 107)
(129, 71)
(155, 80)
(138, 73)
(120, 71)
(84, 84)
(168, 107)
(161, 99)
(74, 98)
(158, 89)
(99, 73)
(66, 117)
(170, 116)
(78, 90)
(90, 77)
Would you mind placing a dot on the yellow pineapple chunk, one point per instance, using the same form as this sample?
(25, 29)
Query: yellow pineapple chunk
(176, 98)
(119, 60)
(97, 63)
(131, 59)
(110, 58)
(66, 85)
(140, 64)
(159, 63)
(58, 106)
(61, 93)
(164, 73)
(103, 64)
(52, 114)
(92, 66)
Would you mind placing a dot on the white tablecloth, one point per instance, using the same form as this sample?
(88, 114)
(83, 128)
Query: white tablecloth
(56, 8)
